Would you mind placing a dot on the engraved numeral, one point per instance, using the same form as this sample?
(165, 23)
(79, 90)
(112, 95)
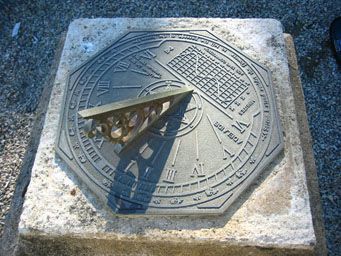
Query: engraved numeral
(226, 152)
(170, 175)
(198, 171)
(211, 191)
(72, 131)
(148, 54)
(252, 160)
(108, 170)
(157, 201)
(72, 104)
(103, 87)
(106, 183)
(99, 141)
(168, 84)
(241, 173)
(185, 120)
(240, 126)
(82, 158)
(92, 153)
(197, 197)
(76, 146)
(229, 181)
(176, 200)
(121, 67)
(215, 45)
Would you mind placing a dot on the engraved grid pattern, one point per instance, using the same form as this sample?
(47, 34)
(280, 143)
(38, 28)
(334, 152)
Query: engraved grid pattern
(203, 71)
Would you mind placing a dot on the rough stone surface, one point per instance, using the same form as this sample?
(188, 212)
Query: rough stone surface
(306, 142)
(273, 213)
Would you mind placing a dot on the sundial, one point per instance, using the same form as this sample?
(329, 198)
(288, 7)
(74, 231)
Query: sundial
(169, 123)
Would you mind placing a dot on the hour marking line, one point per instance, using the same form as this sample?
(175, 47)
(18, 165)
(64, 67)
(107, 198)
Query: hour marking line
(176, 152)
(190, 107)
(129, 165)
(256, 114)
(185, 120)
(216, 134)
(197, 146)
(158, 152)
(139, 72)
(144, 147)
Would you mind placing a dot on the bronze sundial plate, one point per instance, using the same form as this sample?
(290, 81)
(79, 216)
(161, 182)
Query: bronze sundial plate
(196, 159)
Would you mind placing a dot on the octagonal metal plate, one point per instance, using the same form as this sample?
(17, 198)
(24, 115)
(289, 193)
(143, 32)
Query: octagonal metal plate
(197, 159)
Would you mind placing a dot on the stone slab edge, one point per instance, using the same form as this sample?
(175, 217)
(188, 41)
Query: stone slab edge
(305, 137)
(31, 239)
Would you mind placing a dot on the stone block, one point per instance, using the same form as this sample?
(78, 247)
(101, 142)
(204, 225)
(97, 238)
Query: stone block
(61, 216)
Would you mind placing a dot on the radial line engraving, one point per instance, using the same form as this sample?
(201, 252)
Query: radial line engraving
(176, 152)
(197, 144)
(216, 134)
(158, 152)
(144, 147)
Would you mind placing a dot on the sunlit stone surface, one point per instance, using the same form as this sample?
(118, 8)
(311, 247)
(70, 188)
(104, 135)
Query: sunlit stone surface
(272, 213)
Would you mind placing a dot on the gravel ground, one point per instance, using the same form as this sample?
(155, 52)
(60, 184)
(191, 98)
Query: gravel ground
(26, 60)
(14, 135)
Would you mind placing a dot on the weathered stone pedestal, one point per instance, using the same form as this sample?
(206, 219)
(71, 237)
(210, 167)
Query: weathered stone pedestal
(274, 217)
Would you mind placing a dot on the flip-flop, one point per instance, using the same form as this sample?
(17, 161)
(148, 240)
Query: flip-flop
(335, 37)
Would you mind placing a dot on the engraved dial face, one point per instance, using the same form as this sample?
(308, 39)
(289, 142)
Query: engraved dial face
(196, 159)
